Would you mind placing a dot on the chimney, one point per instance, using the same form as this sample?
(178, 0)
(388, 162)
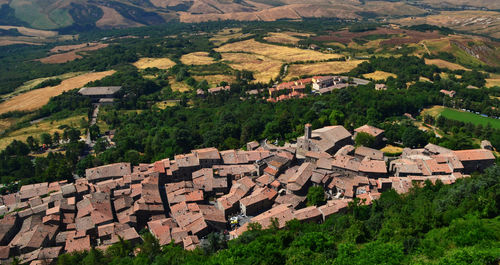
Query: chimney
(308, 131)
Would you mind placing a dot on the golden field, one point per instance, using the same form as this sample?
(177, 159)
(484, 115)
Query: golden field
(494, 80)
(36, 130)
(225, 35)
(214, 80)
(32, 83)
(35, 99)
(322, 68)
(160, 63)
(444, 64)
(284, 54)
(285, 37)
(197, 58)
(263, 67)
(178, 86)
(379, 75)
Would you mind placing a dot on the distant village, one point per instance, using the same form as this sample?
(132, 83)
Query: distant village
(298, 89)
(182, 200)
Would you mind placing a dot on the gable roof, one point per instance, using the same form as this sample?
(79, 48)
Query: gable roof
(99, 91)
(326, 138)
(373, 131)
(474, 155)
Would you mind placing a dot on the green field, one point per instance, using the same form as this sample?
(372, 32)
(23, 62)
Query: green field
(469, 117)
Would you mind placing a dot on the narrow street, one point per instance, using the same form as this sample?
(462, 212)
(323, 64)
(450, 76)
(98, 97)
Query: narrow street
(93, 121)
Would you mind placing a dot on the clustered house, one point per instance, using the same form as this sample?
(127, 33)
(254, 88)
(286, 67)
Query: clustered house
(182, 200)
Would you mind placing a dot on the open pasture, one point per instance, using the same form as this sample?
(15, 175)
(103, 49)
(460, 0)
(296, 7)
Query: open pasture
(379, 75)
(275, 52)
(444, 64)
(72, 54)
(322, 68)
(197, 58)
(263, 67)
(35, 99)
(285, 37)
(160, 63)
(462, 116)
(35, 130)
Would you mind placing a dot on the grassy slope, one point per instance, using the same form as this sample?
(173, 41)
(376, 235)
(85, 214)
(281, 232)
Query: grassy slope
(470, 117)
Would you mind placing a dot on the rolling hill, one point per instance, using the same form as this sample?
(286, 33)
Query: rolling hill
(83, 14)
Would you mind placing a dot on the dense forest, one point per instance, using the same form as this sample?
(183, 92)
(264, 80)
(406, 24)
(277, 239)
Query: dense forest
(434, 224)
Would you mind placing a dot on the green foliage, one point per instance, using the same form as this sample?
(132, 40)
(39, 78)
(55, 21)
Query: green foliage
(95, 132)
(407, 68)
(48, 82)
(413, 137)
(316, 196)
(427, 27)
(360, 27)
(364, 139)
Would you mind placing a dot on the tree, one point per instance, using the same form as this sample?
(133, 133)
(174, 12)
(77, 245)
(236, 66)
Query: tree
(413, 137)
(336, 117)
(122, 248)
(72, 134)
(46, 139)
(364, 139)
(132, 156)
(94, 132)
(56, 138)
(32, 143)
(316, 196)
(150, 246)
(101, 145)
(215, 241)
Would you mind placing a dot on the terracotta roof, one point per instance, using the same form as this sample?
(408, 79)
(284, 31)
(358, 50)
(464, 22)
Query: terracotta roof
(291, 199)
(317, 155)
(33, 190)
(4, 252)
(373, 166)
(253, 199)
(326, 138)
(211, 213)
(283, 213)
(187, 160)
(369, 152)
(307, 213)
(79, 244)
(265, 179)
(271, 171)
(299, 179)
(346, 162)
(474, 155)
(207, 153)
(436, 149)
(178, 233)
(190, 242)
(373, 131)
(333, 206)
(107, 171)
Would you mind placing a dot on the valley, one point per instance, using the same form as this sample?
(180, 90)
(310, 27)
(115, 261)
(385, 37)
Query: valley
(271, 132)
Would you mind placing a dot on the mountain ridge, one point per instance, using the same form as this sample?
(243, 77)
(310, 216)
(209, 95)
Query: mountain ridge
(81, 14)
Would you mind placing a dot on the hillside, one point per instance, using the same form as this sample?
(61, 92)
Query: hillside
(86, 14)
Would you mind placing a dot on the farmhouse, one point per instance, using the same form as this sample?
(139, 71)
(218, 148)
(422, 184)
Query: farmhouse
(100, 94)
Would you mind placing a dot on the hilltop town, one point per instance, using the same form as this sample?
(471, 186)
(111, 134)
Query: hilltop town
(182, 200)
